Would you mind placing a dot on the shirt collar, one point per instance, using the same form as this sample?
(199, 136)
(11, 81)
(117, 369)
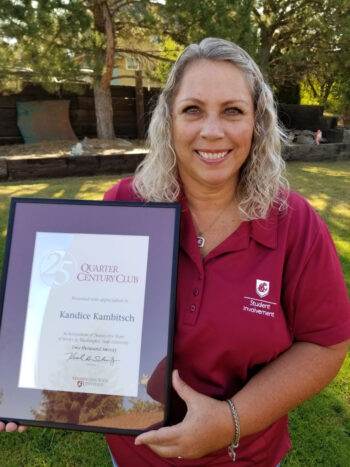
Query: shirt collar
(263, 231)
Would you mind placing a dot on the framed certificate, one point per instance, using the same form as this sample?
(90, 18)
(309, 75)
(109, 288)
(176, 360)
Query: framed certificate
(87, 314)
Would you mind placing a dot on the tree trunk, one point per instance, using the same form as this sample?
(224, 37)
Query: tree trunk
(140, 108)
(102, 92)
(266, 41)
(104, 112)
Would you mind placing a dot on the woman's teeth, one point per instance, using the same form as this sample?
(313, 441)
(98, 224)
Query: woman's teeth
(212, 155)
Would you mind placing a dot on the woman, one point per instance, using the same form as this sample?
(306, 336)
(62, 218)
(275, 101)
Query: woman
(258, 317)
(262, 317)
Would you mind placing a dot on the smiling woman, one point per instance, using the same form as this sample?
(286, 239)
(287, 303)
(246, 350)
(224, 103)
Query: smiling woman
(261, 176)
(262, 317)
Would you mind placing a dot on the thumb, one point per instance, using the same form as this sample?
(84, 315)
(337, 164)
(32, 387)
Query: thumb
(185, 391)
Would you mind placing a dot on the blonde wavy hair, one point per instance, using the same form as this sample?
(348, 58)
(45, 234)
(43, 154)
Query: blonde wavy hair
(261, 178)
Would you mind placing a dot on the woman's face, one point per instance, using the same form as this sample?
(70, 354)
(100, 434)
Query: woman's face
(212, 124)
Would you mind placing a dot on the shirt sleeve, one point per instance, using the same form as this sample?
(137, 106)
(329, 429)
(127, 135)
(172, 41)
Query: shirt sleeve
(122, 191)
(112, 194)
(320, 302)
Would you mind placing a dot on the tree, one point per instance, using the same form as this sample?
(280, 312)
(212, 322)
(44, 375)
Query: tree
(292, 40)
(41, 40)
(185, 22)
(328, 83)
(53, 41)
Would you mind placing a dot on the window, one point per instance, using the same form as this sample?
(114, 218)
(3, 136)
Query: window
(132, 63)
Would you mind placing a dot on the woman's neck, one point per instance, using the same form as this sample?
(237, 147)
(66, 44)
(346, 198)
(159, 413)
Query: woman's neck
(208, 198)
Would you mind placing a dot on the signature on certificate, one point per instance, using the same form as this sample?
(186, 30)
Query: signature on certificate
(91, 358)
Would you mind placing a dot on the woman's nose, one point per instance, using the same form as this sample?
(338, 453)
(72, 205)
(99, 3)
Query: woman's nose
(212, 128)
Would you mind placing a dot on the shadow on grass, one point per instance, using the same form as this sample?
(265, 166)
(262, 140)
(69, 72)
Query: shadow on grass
(320, 428)
(67, 188)
(326, 185)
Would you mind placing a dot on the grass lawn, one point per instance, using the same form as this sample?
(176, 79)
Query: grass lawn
(320, 428)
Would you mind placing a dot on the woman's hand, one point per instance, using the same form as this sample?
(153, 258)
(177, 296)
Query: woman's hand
(207, 426)
(10, 427)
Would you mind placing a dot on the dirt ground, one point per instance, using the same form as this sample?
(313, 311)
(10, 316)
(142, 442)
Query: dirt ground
(64, 147)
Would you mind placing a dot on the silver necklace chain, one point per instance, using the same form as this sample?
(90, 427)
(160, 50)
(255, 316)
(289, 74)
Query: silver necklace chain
(200, 236)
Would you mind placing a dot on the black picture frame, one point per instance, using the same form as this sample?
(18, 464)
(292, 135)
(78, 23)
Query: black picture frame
(88, 411)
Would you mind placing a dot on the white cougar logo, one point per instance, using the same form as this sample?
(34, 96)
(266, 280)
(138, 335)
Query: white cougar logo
(262, 288)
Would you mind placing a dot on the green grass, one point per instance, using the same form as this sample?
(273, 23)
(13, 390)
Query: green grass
(320, 428)
(326, 186)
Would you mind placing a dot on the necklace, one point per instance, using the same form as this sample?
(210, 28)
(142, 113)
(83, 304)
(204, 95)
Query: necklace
(200, 236)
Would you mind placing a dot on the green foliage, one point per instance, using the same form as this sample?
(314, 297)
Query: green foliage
(293, 41)
(42, 41)
(185, 22)
(169, 49)
(60, 42)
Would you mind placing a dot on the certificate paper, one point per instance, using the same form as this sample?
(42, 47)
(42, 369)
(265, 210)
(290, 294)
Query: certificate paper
(84, 318)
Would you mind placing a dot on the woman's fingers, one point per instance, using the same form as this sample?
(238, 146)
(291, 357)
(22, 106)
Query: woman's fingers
(206, 427)
(22, 428)
(11, 427)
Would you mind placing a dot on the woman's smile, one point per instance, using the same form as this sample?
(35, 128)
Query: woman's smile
(213, 156)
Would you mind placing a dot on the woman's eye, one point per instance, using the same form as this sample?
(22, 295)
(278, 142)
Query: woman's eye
(191, 109)
(233, 111)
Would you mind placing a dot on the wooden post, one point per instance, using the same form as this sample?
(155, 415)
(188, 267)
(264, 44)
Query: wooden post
(140, 108)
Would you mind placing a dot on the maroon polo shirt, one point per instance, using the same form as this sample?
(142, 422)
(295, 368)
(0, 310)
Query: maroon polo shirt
(271, 283)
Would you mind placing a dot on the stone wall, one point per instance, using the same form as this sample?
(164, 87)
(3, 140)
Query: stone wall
(317, 152)
(21, 168)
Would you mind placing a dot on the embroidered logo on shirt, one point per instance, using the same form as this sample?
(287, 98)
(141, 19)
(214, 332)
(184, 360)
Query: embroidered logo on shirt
(259, 307)
(262, 288)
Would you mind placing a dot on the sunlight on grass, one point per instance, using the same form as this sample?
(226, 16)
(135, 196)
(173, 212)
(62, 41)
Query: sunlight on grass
(92, 190)
(22, 190)
(330, 172)
(58, 194)
(319, 202)
(341, 209)
(343, 246)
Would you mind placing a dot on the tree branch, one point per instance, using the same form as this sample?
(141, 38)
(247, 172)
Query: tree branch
(314, 92)
(144, 54)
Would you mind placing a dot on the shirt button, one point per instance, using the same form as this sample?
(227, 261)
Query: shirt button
(193, 307)
(196, 291)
